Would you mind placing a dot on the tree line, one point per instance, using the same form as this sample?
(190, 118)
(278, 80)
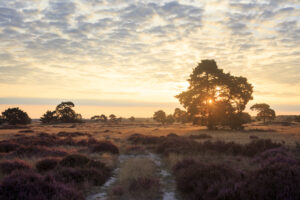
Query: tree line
(214, 98)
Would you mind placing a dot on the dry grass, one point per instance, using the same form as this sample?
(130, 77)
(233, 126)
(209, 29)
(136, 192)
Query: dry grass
(138, 179)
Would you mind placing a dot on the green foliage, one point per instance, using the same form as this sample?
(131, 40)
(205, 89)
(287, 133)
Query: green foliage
(160, 116)
(214, 97)
(264, 112)
(15, 116)
(62, 114)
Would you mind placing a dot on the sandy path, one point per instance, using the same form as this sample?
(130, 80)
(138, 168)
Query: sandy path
(167, 181)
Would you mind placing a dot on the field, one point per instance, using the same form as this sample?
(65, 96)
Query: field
(149, 161)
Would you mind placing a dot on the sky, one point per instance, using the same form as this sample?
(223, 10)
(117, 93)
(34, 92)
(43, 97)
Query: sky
(132, 57)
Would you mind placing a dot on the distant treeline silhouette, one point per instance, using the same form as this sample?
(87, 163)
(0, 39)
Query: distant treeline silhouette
(214, 98)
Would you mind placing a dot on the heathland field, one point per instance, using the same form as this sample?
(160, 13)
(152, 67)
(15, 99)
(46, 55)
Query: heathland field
(149, 161)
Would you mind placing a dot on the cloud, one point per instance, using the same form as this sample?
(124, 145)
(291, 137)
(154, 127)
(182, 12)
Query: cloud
(145, 49)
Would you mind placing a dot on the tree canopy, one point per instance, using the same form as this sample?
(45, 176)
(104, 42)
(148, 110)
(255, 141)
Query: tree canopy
(180, 115)
(214, 97)
(160, 116)
(15, 116)
(63, 113)
(264, 112)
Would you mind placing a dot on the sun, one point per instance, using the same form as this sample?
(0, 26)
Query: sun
(210, 101)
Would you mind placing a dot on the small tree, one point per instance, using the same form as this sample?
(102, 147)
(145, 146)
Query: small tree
(112, 118)
(95, 118)
(160, 116)
(119, 120)
(264, 112)
(180, 115)
(103, 118)
(15, 116)
(63, 113)
(170, 119)
(49, 117)
(131, 119)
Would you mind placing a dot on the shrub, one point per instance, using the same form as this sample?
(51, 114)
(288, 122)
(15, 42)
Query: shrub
(78, 176)
(177, 145)
(46, 164)
(201, 136)
(15, 116)
(74, 160)
(105, 146)
(49, 117)
(143, 139)
(172, 135)
(273, 182)
(8, 166)
(38, 151)
(26, 131)
(260, 145)
(69, 175)
(7, 146)
(199, 181)
(71, 134)
(32, 186)
(274, 156)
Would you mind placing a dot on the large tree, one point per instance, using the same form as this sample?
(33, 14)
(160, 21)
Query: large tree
(264, 112)
(214, 97)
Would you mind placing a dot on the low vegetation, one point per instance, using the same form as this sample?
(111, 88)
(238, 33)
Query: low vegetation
(74, 162)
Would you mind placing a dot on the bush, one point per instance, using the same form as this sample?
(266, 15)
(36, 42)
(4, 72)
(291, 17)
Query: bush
(274, 156)
(38, 151)
(79, 176)
(32, 186)
(74, 160)
(8, 166)
(46, 164)
(7, 146)
(260, 145)
(273, 182)
(199, 181)
(70, 175)
(71, 134)
(49, 117)
(201, 136)
(105, 146)
(143, 139)
(15, 116)
(177, 145)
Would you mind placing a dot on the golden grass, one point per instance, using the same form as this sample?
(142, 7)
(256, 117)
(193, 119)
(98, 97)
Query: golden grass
(138, 179)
